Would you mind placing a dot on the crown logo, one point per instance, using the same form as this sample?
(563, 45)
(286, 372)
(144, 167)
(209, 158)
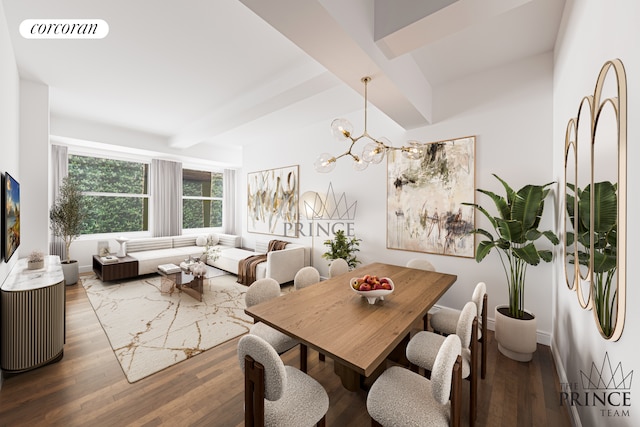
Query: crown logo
(330, 206)
(606, 377)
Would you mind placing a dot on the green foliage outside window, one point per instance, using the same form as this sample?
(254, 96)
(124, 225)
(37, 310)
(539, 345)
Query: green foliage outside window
(121, 204)
(115, 195)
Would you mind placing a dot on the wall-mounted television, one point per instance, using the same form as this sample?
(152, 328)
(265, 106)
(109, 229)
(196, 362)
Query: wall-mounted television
(11, 216)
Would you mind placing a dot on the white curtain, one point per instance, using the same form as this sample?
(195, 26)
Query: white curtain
(59, 171)
(166, 198)
(229, 202)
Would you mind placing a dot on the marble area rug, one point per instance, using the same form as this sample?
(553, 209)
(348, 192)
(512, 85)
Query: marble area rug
(150, 331)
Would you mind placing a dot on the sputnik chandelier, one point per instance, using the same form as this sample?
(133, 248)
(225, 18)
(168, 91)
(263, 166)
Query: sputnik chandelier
(373, 152)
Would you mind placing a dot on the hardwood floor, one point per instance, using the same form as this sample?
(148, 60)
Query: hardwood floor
(87, 387)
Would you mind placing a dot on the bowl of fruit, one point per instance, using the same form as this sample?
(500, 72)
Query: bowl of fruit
(372, 287)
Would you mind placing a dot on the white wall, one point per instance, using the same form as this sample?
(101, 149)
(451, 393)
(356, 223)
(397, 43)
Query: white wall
(83, 130)
(9, 125)
(593, 32)
(508, 109)
(34, 162)
(9, 118)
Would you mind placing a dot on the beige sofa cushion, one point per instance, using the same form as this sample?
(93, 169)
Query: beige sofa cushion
(137, 245)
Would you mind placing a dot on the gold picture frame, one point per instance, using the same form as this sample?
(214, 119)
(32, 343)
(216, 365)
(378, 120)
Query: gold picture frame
(272, 201)
(425, 196)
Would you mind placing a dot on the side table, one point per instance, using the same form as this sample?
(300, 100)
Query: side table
(187, 283)
(125, 268)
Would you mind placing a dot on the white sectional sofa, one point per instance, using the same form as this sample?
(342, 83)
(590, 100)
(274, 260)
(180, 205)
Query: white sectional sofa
(280, 265)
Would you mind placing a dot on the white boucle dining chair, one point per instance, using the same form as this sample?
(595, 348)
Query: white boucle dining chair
(337, 267)
(400, 397)
(275, 394)
(263, 290)
(306, 276)
(444, 321)
(423, 348)
(421, 264)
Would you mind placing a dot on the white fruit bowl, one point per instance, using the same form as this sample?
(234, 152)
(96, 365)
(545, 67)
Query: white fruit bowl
(373, 295)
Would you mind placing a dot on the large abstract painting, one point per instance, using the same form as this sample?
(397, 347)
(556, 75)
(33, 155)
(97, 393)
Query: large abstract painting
(272, 201)
(425, 196)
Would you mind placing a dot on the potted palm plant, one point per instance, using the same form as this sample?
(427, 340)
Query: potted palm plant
(516, 233)
(66, 217)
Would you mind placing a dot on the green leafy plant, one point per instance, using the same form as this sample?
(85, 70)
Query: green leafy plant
(66, 215)
(343, 247)
(516, 232)
(605, 240)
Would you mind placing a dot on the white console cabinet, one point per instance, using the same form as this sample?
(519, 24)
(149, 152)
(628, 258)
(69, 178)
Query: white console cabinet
(32, 316)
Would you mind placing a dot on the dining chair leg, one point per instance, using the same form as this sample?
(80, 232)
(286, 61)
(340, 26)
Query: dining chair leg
(321, 357)
(483, 339)
(253, 393)
(303, 358)
(473, 374)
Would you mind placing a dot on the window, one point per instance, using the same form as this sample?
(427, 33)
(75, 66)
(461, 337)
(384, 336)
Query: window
(115, 193)
(201, 199)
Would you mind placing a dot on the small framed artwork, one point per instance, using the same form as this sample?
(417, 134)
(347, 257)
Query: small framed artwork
(272, 201)
(11, 217)
(425, 196)
(103, 247)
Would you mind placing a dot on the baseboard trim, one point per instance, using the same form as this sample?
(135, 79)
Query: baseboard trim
(574, 416)
(541, 336)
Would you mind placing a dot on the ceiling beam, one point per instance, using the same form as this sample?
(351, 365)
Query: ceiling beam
(338, 35)
(440, 24)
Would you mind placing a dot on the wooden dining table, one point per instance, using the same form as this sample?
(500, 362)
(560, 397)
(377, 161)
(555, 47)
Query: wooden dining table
(332, 319)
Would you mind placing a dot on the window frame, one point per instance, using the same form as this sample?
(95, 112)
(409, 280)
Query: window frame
(99, 154)
(210, 170)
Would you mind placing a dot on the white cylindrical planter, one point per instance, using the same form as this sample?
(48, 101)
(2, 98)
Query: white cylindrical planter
(70, 271)
(516, 337)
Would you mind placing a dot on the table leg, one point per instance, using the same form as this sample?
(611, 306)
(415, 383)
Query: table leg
(399, 354)
(167, 284)
(350, 379)
(353, 381)
(194, 288)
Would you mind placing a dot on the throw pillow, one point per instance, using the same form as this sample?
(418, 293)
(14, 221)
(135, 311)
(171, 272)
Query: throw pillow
(201, 241)
(213, 239)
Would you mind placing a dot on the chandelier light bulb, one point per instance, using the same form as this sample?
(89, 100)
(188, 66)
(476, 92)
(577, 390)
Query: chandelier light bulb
(373, 152)
(359, 164)
(325, 163)
(341, 129)
(414, 151)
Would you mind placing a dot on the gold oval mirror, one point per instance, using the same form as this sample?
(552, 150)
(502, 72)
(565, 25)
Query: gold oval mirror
(608, 202)
(571, 207)
(582, 217)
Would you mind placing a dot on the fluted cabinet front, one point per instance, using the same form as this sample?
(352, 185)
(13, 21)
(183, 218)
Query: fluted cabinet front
(32, 304)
